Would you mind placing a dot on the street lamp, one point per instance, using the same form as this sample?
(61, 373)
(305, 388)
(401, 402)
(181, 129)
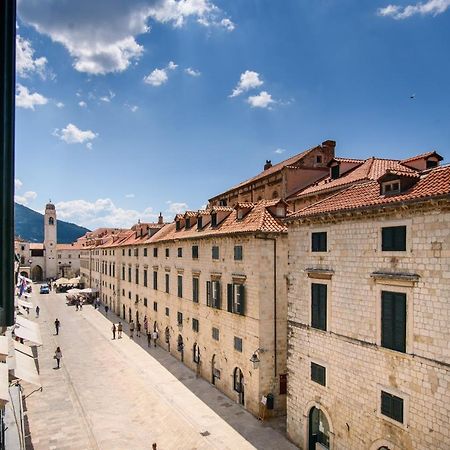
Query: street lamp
(255, 357)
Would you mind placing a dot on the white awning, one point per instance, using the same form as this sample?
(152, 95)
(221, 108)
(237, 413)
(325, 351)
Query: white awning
(4, 347)
(4, 384)
(22, 348)
(27, 323)
(24, 303)
(28, 334)
(24, 366)
(22, 311)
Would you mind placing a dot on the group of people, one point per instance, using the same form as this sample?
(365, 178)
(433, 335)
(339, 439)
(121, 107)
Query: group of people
(151, 335)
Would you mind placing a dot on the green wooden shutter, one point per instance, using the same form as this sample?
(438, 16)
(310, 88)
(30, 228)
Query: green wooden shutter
(397, 408)
(219, 296)
(229, 297)
(242, 297)
(393, 320)
(399, 324)
(387, 332)
(314, 306)
(208, 293)
(323, 306)
(319, 306)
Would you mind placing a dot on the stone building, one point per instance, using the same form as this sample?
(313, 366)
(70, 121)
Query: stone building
(212, 283)
(368, 312)
(48, 260)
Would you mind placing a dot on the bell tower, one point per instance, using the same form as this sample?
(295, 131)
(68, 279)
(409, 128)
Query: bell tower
(51, 267)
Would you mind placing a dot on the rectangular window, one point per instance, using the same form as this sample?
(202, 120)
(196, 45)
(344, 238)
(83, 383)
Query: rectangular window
(318, 374)
(123, 273)
(195, 325)
(319, 306)
(167, 312)
(145, 277)
(319, 242)
(123, 292)
(155, 252)
(180, 286)
(145, 301)
(180, 252)
(155, 306)
(167, 282)
(167, 252)
(236, 298)
(129, 274)
(123, 252)
(145, 251)
(238, 252)
(393, 320)
(213, 294)
(238, 344)
(129, 252)
(136, 299)
(155, 279)
(199, 222)
(215, 334)
(393, 239)
(180, 318)
(195, 252)
(215, 252)
(392, 406)
(188, 223)
(214, 219)
(137, 276)
(195, 289)
(136, 252)
(129, 295)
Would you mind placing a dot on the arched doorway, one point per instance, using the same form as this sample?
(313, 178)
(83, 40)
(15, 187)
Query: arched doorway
(123, 312)
(129, 314)
(319, 429)
(180, 346)
(238, 384)
(155, 326)
(36, 273)
(167, 336)
(137, 317)
(196, 353)
(215, 372)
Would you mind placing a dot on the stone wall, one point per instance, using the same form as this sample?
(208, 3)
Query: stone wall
(357, 367)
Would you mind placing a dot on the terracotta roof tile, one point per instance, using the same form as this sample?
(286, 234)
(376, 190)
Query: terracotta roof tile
(422, 155)
(432, 183)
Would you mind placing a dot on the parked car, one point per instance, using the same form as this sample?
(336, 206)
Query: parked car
(44, 289)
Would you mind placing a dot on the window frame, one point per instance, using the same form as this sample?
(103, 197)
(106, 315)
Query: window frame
(317, 244)
(237, 253)
(315, 375)
(386, 249)
(395, 393)
(238, 348)
(215, 252)
(315, 321)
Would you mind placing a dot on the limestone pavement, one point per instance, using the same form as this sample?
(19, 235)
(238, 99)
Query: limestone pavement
(116, 394)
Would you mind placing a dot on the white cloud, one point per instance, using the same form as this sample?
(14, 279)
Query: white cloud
(192, 72)
(82, 104)
(134, 108)
(17, 184)
(227, 24)
(279, 151)
(249, 80)
(89, 145)
(101, 35)
(129, 195)
(429, 7)
(25, 99)
(101, 213)
(262, 100)
(60, 105)
(25, 198)
(159, 77)
(25, 63)
(108, 98)
(176, 207)
(73, 135)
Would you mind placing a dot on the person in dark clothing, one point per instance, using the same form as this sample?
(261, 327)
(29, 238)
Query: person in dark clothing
(113, 329)
(57, 326)
(106, 309)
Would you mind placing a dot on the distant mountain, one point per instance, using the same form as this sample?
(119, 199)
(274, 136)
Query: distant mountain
(29, 225)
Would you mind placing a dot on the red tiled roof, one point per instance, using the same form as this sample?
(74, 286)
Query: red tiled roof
(348, 160)
(433, 183)
(370, 169)
(423, 155)
(74, 246)
(400, 173)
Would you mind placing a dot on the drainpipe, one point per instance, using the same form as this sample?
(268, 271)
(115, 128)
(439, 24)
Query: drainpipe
(7, 116)
(267, 238)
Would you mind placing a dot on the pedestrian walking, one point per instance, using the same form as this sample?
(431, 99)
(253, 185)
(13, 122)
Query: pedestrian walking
(113, 329)
(138, 326)
(37, 311)
(145, 324)
(57, 326)
(58, 356)
(131, 329)
(154, 446)
(149, 338)
(28, 311)
(154, 337)
(119, 330)
(106, 309)
(77, 302)
(81, 305)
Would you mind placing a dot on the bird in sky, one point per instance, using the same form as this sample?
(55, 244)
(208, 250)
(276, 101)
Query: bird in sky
(412, 96)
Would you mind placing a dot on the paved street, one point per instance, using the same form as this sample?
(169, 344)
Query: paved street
(117, 395)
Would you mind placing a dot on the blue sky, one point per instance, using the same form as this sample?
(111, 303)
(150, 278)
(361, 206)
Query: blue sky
(126, 108)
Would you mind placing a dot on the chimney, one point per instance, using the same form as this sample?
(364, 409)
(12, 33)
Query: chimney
(329, 144)
(160, 219)
(268, 164)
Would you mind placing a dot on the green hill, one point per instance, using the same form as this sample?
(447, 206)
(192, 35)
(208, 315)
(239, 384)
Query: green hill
(29, 225)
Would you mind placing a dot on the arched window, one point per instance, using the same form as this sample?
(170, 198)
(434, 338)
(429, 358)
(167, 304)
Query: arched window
(51, 221)
(319, 430)
(196, 353)
(238, 379)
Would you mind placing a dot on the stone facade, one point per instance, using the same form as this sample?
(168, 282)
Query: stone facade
(358, 367)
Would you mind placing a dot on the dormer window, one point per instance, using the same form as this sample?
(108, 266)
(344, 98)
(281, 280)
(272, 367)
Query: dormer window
(432, 163)
(280, 211)
(335, 172)
(213, 219)
(319, 159)
(390, 187)
(222, 202)
(188, 223)
(199, 223)
(240, 214)
(178, 225)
